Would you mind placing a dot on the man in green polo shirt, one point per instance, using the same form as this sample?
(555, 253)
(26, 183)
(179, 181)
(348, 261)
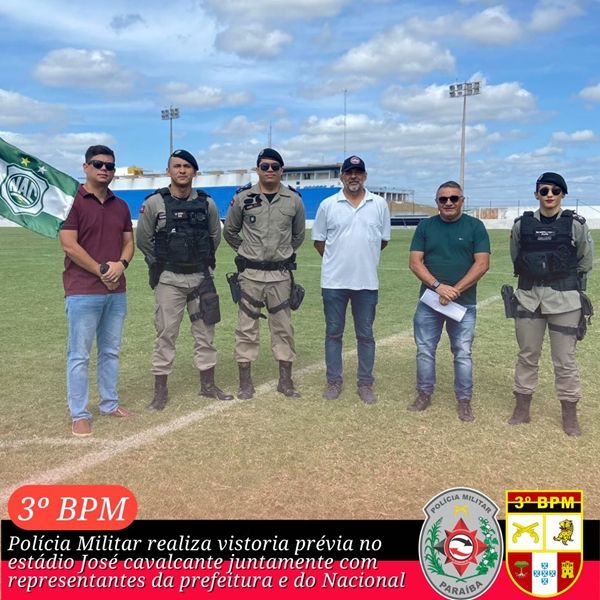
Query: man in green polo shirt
(449, 253)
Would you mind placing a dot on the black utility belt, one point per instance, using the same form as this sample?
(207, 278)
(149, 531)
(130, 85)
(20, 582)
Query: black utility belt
(547, 283)
(264, 265)
(186, 269)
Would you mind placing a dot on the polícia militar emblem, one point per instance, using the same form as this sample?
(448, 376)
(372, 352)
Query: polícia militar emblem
(544, 540)
(460, 546)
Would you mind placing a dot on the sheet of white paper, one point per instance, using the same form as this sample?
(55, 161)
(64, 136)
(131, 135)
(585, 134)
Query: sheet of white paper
(452, 309)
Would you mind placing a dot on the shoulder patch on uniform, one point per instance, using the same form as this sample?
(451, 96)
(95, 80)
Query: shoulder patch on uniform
(142, 208)
(244, 187)
(201, 193)
(579, 218)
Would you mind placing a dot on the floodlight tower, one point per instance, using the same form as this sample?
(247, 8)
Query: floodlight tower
(462, 90)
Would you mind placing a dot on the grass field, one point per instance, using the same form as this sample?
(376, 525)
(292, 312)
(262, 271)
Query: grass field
(272, 457)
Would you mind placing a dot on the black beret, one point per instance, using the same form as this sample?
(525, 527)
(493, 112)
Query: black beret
(269, 153)
(554, 178)
(187, 156)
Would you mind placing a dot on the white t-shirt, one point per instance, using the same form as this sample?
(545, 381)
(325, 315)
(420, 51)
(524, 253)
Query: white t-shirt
(352, 239)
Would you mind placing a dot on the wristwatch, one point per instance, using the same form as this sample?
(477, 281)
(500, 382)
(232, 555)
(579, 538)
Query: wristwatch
(125, 262)
(435, 285)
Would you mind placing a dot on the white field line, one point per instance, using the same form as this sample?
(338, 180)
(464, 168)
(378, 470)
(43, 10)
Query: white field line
(114, 447)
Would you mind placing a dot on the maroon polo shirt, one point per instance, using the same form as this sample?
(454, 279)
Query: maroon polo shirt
(100, 229)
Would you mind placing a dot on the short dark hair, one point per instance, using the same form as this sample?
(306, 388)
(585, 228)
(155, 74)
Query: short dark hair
(98, 149)
(450, 184)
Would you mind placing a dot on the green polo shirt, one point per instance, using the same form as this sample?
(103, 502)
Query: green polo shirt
(448, 249)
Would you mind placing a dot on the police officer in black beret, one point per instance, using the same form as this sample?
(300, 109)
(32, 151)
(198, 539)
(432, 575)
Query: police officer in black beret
(178, 232)
(265, 225)
(552, 252)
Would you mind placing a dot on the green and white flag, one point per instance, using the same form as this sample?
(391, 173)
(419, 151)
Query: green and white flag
(32, 193)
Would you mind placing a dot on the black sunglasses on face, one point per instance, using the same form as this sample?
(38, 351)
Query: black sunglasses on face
(556, 191)
(446, 199)
(266, 166)
(98, 164)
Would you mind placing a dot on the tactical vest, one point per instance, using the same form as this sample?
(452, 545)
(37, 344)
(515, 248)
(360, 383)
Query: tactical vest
(547, 254)
(184, 245)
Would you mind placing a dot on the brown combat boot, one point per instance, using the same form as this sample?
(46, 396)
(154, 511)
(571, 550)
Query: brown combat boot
(422, 402)
(161, 392)
(569, 418)
(465, 412)
(521, 411)
(208, 387)
(246, 390)
(286, 385)
(365, 393)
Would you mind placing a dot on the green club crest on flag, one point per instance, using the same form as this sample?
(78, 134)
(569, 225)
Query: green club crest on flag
(32, 193)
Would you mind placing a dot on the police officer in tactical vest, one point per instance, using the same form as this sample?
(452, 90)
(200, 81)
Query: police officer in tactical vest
(265, 226)
(552, 252)
(178, 232)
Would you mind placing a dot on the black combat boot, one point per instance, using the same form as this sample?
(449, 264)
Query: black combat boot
(422, 402)
(286, 385)
(246, 390)
(521, 412)
(465, 412)
(569, 418)
(208, 387)
(161, 392)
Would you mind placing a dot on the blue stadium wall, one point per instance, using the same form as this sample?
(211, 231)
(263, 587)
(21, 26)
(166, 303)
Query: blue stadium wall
(311, 197)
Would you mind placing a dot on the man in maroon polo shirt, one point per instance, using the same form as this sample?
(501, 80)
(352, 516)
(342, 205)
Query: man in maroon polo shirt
(97, 238)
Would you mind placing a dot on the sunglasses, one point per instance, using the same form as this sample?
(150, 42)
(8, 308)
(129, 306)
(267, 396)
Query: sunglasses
(446, 199)
(266, 166)
(556, 191)
(98, 164)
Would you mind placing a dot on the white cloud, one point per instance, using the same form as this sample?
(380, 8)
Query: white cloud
(395, 52)
(240, 126)
(549, 15)
(534, 156)
(585, 135)
(502, 102)
(177, 30)
(16, 110)
(492, 26)
(183, 94)
(94, 69)
(591, 93)
(269, 10)
(253, 40)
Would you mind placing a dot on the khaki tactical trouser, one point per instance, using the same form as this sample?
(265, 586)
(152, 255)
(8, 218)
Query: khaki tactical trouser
(530, 331)
(280, 323)
(170, 305)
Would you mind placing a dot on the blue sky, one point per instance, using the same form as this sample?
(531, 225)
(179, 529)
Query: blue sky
(75, 73)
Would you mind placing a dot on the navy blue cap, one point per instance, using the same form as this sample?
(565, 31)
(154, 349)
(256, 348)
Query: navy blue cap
(353, 162)
(187, 156)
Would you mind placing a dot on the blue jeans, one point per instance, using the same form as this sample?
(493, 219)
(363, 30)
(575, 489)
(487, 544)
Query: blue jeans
(428, 325)
(99, 316)
(363, 304)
